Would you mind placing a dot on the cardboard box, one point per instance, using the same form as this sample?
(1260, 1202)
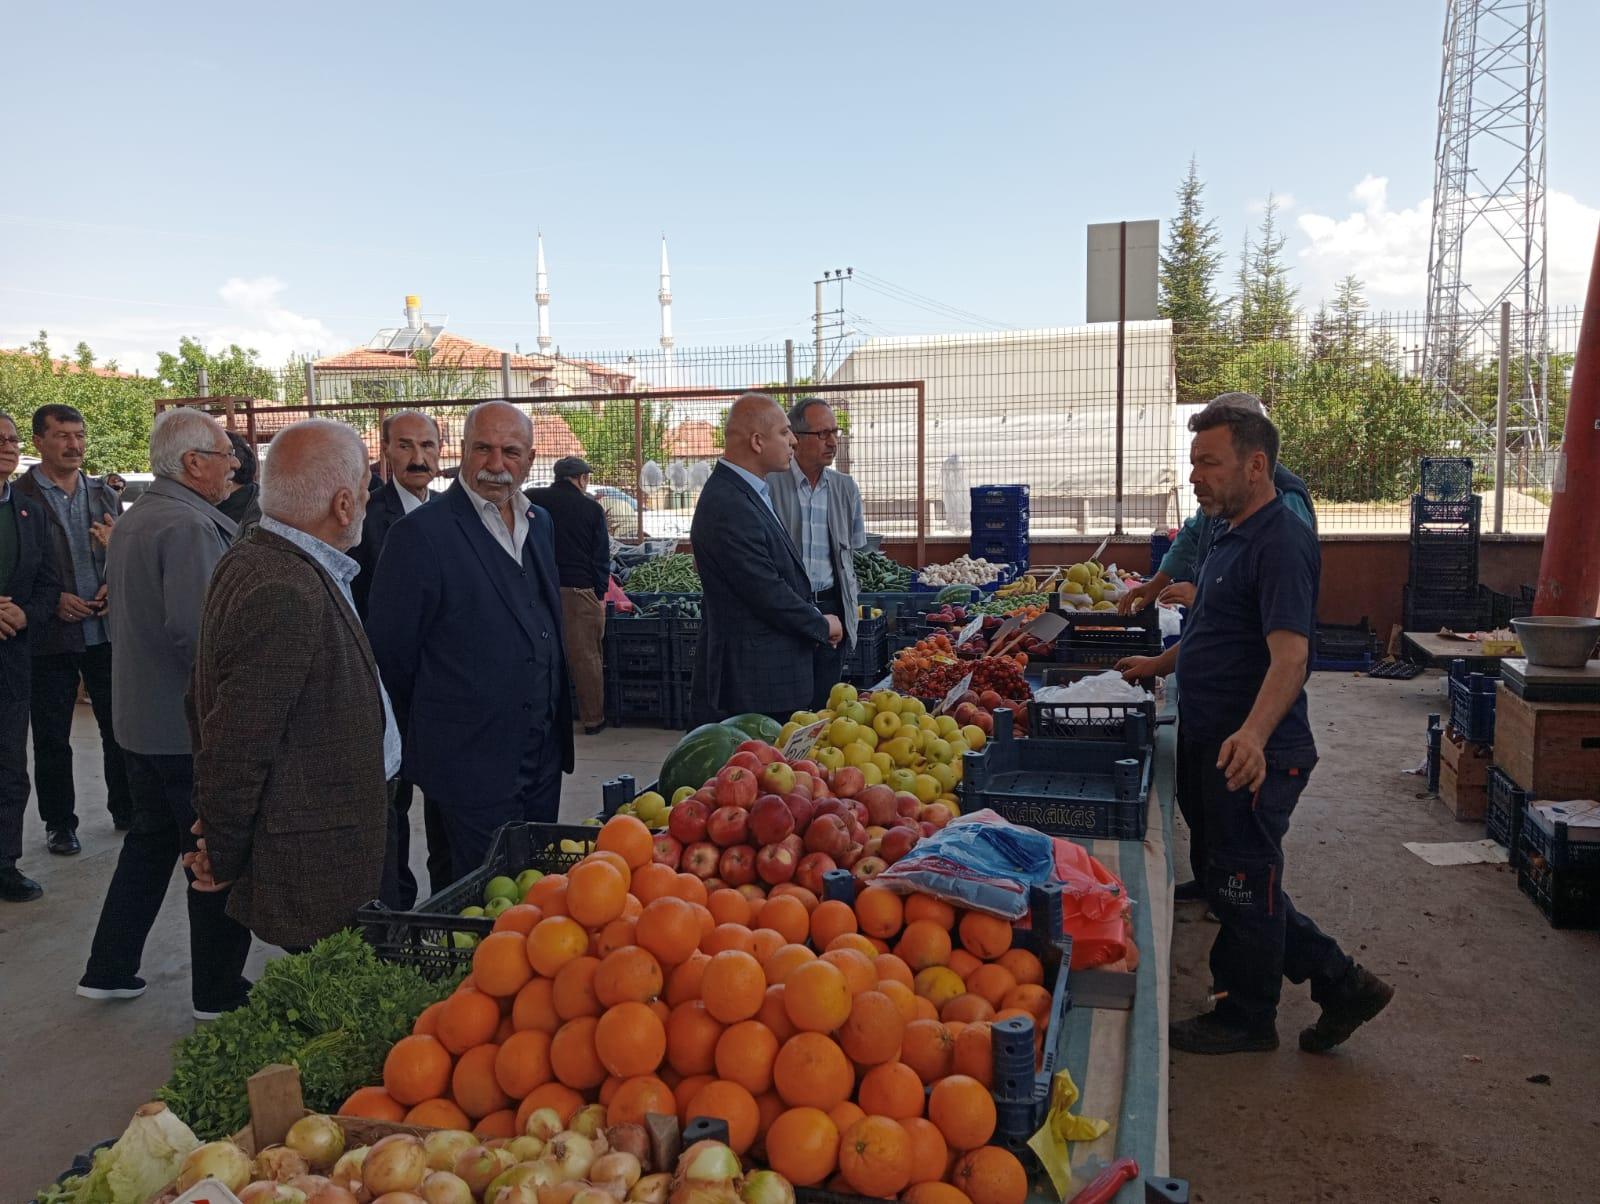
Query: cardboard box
(1550, 749)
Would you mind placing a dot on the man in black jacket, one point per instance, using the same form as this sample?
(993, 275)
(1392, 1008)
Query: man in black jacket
(29, 591)
(761, 615)
(583, 561)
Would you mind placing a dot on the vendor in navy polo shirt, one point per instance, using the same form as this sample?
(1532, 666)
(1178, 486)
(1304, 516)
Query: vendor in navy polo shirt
(1248, 746)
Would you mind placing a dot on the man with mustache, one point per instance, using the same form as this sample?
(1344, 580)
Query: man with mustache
(464, 615)
(410, 445)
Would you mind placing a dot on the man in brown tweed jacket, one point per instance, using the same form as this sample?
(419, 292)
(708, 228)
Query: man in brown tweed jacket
(295, 742)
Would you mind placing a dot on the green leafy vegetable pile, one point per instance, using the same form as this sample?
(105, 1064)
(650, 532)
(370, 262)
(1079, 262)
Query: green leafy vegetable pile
(332, 1011)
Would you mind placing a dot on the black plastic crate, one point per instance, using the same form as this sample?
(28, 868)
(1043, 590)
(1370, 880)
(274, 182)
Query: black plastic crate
(685, 643)
(1134, 722)
(1464, 510)
(435, 937)
(1092, 788)
(869, 658)
(1427, 610)
(1104, 631)
(1343, 646)
(630, 700)
(1500, 608)
(1446, 478)
(1555, 846)
(1502, 819)
(1472, 697)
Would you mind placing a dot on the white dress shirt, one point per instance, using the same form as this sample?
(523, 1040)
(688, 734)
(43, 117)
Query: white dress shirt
(408, 500)
(489, 512)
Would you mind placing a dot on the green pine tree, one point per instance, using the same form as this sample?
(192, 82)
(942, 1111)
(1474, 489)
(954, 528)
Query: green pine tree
(1188, 297)
(1267, 299)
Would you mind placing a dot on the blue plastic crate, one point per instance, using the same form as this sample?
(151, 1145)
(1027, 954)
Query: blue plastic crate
(1472, 698)
(999, 495)
(991, 522)
(1502, 819)
(1160, 545)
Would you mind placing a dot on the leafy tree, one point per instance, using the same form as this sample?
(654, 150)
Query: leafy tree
(1266, 303)
(117, 411)
(1188, 294)
(606, 432)
(235, 372)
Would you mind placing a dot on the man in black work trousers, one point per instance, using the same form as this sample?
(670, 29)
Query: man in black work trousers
(1249, 751)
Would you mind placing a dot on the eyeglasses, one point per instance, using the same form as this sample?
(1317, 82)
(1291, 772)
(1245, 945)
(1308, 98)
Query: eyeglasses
(10, 441)
(201, 451)
(828, 434)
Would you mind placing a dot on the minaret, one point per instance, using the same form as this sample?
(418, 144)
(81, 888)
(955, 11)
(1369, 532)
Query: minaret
(541, 294)
(665, 297)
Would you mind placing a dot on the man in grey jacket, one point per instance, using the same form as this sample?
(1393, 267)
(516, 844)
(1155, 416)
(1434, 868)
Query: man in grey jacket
(159, 564)
(821, 509)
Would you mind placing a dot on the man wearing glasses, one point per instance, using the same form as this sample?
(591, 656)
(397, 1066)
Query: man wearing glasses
(821, 508)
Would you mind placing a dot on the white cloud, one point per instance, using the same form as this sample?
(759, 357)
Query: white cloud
(1387, 248)
(1284, 201)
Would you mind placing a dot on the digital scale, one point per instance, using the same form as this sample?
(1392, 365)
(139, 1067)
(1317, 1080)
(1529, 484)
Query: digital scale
(1547, 683)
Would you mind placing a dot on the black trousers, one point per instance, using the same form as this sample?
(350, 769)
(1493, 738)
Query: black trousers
(1263, 939)
(13, 767)
(55, 700)
(438, 836)
(827, 660)
(472, 823)
(163, 812)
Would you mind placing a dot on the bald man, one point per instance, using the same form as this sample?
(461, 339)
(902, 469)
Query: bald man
(762, 619)
(465, 619)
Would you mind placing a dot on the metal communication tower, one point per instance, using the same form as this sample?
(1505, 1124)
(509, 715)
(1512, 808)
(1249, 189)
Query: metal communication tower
(1489, 199)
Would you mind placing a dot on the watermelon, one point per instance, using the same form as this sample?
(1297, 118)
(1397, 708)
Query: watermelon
(954, 593)
(756, 726)
(698, 756)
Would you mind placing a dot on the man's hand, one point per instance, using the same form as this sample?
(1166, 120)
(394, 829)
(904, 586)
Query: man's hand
(835, 630)
(12, 618)
(100, 601)
(1137, 668)
(1137, 598)
(100, 530)
(73, 609)
(1179, 593)
(1243, 761)
(198, 863)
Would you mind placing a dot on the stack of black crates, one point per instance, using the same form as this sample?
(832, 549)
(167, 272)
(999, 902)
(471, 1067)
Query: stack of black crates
(1000, 523)
(1442, 589)
(648, 660)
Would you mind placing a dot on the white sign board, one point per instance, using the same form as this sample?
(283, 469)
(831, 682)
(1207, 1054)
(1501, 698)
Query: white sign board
(1104, 267)
(970, 630)
(800, 742)
(956, 691)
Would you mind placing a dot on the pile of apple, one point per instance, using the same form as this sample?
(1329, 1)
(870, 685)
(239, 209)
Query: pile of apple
(763, 821)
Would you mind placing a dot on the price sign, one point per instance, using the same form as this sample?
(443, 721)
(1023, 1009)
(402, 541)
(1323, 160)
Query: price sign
(970, 630)
(1045, 628)
(1005, 629)
(956, 691)
(801, 742)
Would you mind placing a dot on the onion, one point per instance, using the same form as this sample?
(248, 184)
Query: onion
(534, 1174)
(525, 1149)
(617, 1165)
(560, 1193)
(630, 1139)
(572, 1153)
(442, 1187)
(280, 1163)
(479, 1167)
(615, 1189)
(709, 1161)
(310, 1184)
(317, 1139)
(652, 1189)
(268, 1191)
(333, 1194)
(445, 1146)
(767, 1187)
(399, 1197)
(347, 1171)
(543, 1123)
(395, 1164)
(589, 1120)
(704, 1191)
(592, 1195)
(514, 1193)
(219, 1160)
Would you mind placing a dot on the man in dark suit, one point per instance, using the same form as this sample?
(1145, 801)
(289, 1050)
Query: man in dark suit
(294, 738)
(762, 621)
(465, 619)
(410, 448)
(29, 591)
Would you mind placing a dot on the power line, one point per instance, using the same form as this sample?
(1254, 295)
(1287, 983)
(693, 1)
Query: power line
(910, 297)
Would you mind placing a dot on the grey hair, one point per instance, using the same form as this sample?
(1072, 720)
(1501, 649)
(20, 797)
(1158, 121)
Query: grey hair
(383, 427)
(177, 432)
(1237, 401)
(297, 490)
(472, 418)
(797, 413)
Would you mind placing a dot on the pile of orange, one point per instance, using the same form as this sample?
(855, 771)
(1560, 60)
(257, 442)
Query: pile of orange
(844, 1046)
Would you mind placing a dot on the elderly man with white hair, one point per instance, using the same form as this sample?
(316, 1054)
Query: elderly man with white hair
(294, 739)
(157, 569)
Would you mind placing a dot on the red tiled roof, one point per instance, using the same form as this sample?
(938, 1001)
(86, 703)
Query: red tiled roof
(553, 437)
(449, 351)
(695, 439)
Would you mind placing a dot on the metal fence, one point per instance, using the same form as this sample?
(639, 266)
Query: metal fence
(1094, 431)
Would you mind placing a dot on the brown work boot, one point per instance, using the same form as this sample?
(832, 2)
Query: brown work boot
(1360, 997)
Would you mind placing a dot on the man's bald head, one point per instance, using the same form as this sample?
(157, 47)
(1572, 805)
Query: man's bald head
(314, 478)
(758, 438)
(496, 450)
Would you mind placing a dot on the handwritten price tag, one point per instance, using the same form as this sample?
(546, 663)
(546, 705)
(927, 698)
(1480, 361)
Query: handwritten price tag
(801, 742)
(970, 630)
(1046, 627)
(956, 691)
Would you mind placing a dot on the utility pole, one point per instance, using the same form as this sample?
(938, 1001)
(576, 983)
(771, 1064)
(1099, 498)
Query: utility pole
(820, 316)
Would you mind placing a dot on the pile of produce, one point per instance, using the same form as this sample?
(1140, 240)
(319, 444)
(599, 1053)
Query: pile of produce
(332, 1011)
(674, 574)
(963, 570)
(877, 574)
(1007, 604)
(1090, 585)
(845, 1045)
(931, 668)
(138, 1166)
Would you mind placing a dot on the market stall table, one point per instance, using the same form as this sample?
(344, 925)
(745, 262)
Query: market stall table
(1431, 648)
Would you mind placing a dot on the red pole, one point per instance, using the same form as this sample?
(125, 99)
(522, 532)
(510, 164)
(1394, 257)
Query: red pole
(1569, 571)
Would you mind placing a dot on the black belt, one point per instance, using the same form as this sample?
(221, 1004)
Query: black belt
(831, 594)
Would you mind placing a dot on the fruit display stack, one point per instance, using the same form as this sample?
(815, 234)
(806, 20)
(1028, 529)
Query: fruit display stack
(1000, 523)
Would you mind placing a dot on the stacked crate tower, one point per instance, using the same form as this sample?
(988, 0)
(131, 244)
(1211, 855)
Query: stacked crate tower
(1442, 589)
(1000, 524)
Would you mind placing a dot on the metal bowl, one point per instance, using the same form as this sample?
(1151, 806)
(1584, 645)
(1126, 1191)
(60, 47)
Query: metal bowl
(1558, 641)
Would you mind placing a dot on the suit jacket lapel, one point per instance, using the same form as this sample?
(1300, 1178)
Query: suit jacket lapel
(768, 514)
(490, 554)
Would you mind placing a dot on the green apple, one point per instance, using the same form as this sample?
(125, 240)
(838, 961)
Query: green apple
(681, 793)
(525, 881)
(496, 905)
(501, 887)
(464, 940)
(472, 911)
(828, 757)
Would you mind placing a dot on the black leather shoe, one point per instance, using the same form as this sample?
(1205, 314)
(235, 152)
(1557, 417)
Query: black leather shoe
(595, 730)
(1362, 996)
(17, 887)
(63, 842)
(1209, 1033)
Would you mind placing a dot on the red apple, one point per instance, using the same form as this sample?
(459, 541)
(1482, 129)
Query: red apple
(868, 868)
(819, 785)
(906, 821)
(700, 859)
(687, 823)
(937, 814)
(850, 856)
(806, 765)
(810, 870)
(907, 803)
(827, 834)
(736, 787)
(669, 850)
(848, 781)
(770, 820)
(830, 806)
(728, 825)
(763, 751)
(880, 804)
(801, 807)
(859, 810)
(738, 865)
(927, 828)
(754, 892)
(707, 794)
(874, 843)
(897, 842)
(744, 760)
(777, 778)
(776, 863)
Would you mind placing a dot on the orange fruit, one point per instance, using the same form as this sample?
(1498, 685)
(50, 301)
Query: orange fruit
(812, 1071)
(500, 963)
(594, 893)
(630, 1040)
(889, 967)
(964, 1110)
(683, 984)
(559, 1096)
(922, 906)
(902, 996)
(637, 1096)
(728, 936)
(732, 1103)
(771, 1106)
(728, 906)
(427, 1022)
(1031, 997)
(416, 1068)
(653, 882)
(574, 994)
(496, 1125)
(781, 964)
(880, 912)
(535, 1007)
(928, 1049)
(892, 1089)
(962, 962)
(933, 1191)
(967, 1008)
(984, 936)
(523, 1062)
(845, 1114)
(939, 985)
(875, 1156)
(764, 942)
(520, 917)
(774, 1015)
(974, 1053)
(692, 1036)
(803, 1146)
(831, 918)
(374, 1103)
(685, 1092)
(817, 997)
(628, 974)
(990, 1175)
(872, 1032)
(573, 1057)
(549, 894)
(473, 1084)
(1024, 966)
(439, 1113)
(733, 986)
(992, 981)
(856, 968)
(690, 889)
(466, 1019)
(745, 1054)
(853, 940)
(923, 944)
(786, 915)
(628, 836)
(669, 929)
(616, 935)
(930, 1153)
(554, 941)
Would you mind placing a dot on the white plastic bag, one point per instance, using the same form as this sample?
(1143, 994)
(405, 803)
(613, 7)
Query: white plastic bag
(957, 495)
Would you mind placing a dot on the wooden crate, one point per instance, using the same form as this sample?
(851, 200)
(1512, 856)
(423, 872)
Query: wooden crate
(1469, 761)
(276, 1103)
(1550, 749)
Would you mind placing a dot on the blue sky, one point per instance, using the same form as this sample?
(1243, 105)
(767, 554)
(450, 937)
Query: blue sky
(285, 177)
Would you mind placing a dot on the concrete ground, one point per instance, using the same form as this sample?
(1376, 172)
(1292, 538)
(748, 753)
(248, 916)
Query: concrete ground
(1432, 1102)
